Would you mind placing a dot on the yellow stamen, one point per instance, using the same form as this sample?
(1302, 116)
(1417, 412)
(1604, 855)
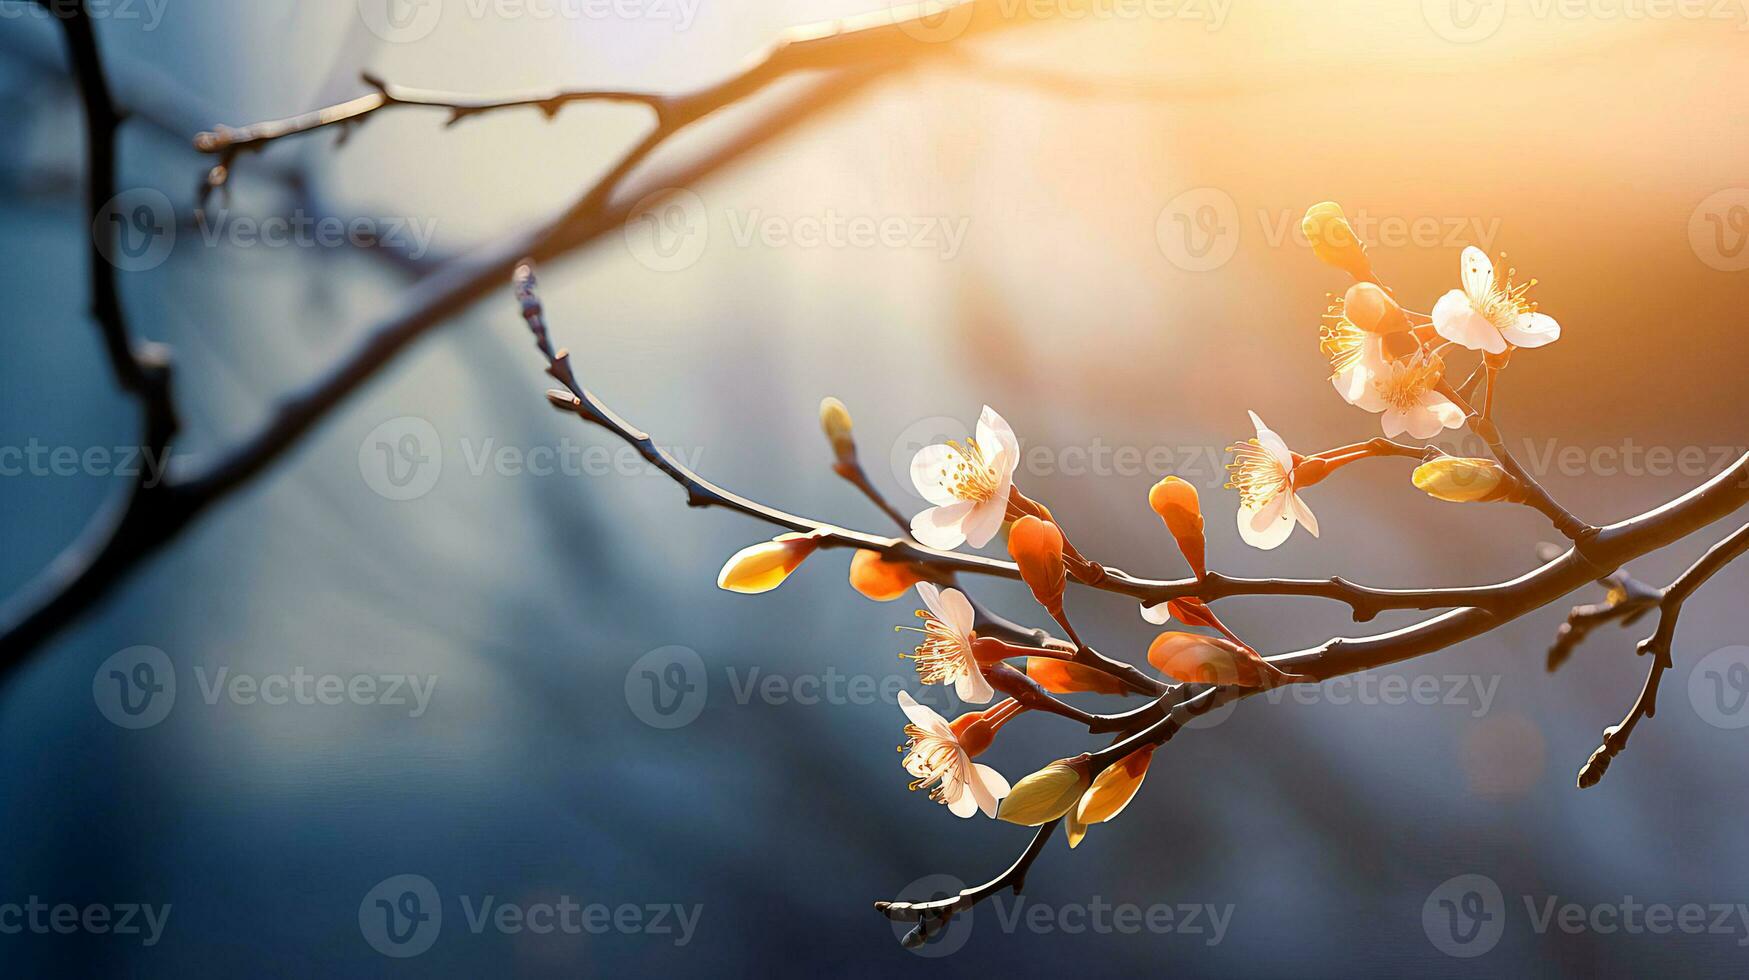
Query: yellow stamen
(943, 656)
(1506, 301)
(971, 477)
(1403, 386)
(1255, 473)
(1340, 340)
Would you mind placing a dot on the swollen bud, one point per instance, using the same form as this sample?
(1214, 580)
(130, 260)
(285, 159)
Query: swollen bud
(1463, 480)
(873, 575)
(1176, 502)
(835, 420)
(1334, 241)
(1047, 794)
(1372, 309)
(763, 567)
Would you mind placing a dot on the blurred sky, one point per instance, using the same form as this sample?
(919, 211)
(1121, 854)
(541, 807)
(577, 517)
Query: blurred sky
(1601, 152)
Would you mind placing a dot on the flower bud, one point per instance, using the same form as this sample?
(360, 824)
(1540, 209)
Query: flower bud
(1334, 241)
(835, 420)
(1064, 677)
(1037, 548)
(1462, 480)
(1115, 787)
(873, 575)
(1176, 502)
(1047, 794)
(1372, 309)
(763, 567)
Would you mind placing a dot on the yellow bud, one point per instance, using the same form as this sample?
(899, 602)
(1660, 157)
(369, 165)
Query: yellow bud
(835, 420)
(1047, 794)
(1462, 480)
(1115, 787)
(763, 567)
(1334, 241)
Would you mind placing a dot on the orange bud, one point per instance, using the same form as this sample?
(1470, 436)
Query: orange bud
(1372, 309)
(763, 567)
(1334, 241)
(1037, 547)
(1063, 677)
(1113, 789)
(1176, 502)
(1196, 659)
(873, 575)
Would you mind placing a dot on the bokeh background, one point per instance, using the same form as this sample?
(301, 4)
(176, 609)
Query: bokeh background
(1127, 184)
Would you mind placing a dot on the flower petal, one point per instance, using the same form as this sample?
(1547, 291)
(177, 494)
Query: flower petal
(985, 519)
(1269, 536)
(1476, 272)
(956, 611)
(1157, 613)
(941, 527)
(996, 436)
(1456, 319)
(1533, 330)
(922, 715)
(1302, 513)
(972, 688)
(1274, 444)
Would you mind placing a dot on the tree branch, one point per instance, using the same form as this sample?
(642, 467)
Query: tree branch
(1669, 603)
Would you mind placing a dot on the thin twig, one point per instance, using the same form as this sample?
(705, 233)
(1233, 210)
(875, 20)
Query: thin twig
(1670, 600)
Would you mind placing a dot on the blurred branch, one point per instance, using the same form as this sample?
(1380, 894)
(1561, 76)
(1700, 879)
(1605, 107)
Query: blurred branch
(849, 54)
(1669, 603)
